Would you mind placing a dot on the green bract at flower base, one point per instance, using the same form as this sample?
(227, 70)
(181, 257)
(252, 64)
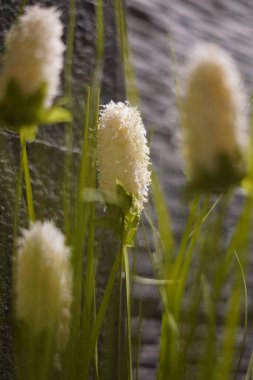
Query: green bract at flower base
(123, 215)
(228, 173)
(19, 111)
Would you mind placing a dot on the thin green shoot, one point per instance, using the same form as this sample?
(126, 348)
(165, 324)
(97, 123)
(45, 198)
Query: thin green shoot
(245, 315)
(185, 239)
(129, 73)
(70, 52)
(69, 96)
(100, 31)
(29, 195)
(96, 361)
(18, 195)
(120, 297)
(249, 373)
(179, 290)
(151, 281)
(176, 79)
(139, 339)
(224, 365)
(164, 223)
(65, 205)
(128, 303)
(207, 215)
(21, 8)
(103, 308)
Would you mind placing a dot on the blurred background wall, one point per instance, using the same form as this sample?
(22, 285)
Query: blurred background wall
(226, 22)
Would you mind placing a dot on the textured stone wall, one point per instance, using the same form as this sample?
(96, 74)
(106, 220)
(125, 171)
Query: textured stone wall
(226, 22)
(229, 24)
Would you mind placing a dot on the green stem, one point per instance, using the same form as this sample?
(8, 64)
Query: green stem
(96, 348)
(69, 95)
(119, 369)
(243, 343)
(17, 203)
(70, 50)
(124, 267)
(21, 8)
(101, 314)
(128, 301)
(29, 195)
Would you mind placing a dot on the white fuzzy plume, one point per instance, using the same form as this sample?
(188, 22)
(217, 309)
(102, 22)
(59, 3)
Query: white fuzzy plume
(122, 151)
(34, 52)
(214, 122)
(43, 281)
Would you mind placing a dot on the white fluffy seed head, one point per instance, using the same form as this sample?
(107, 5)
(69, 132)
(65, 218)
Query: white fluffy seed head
(34, 52)
(214, 123)
(122, 151)
(43, 282)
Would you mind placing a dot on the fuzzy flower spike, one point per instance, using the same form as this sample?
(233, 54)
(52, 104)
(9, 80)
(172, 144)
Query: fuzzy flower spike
(43, 282)
(32, 67)
(123, 164)
(214, 123)
(123, 154)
